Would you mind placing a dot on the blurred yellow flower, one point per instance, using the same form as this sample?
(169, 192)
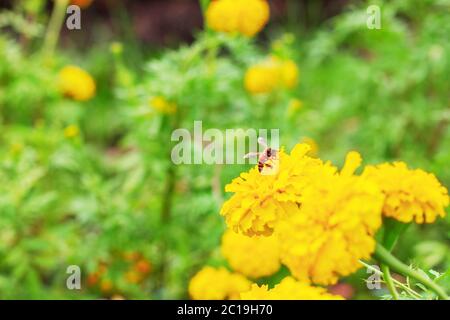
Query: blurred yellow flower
(262, 77)
(71, 131)
(161, 105)
(411, 195)
(289, 73)
(81, 3)
(116, 47)
(247, 17)
(106, 286)
(260, 201)
(269, 74)
(294, 106)
(16, 148)
(76, 83)
(314, 147)
(334, 227)
(288, 289)
(217, 284)
(253, 257)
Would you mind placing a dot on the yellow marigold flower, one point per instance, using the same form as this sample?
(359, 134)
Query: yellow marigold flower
(314, 147)
(217, 284)
(247, 17)
(288, 289)
(289, 73)
(334, 227)
(209, 284)
(260, 201)
(237, 284)
(262, 77)
(76, 83)
(71, 131)
(81, 3)
(161, 105)
(253, 257)
(411, 195)
(271, 73)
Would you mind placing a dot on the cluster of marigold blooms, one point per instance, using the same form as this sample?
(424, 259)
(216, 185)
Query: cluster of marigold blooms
(229, 16)
(248, 17)
(315, 219)
(77, 84)
(133, 267)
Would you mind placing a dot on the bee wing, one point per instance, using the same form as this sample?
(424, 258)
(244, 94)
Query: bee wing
(251, 155)
(262, 142)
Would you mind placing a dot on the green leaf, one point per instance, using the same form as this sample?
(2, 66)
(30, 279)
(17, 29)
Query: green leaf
(444, 280)
(392, 231)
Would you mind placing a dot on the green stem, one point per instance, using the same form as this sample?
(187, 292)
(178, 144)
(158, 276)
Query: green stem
(396, 282)
(389, 281)
(167, 196)
(393, 230)
(385, 257)
(54, 26)
(204, 5)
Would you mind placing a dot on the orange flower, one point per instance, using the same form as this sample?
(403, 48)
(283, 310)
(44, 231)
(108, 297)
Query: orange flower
(81, 3)
(106, 286)
(92, 279)
(143, 266)
(102, 268)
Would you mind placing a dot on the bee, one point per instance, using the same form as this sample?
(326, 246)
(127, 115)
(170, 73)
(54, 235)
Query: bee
(269, 154)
